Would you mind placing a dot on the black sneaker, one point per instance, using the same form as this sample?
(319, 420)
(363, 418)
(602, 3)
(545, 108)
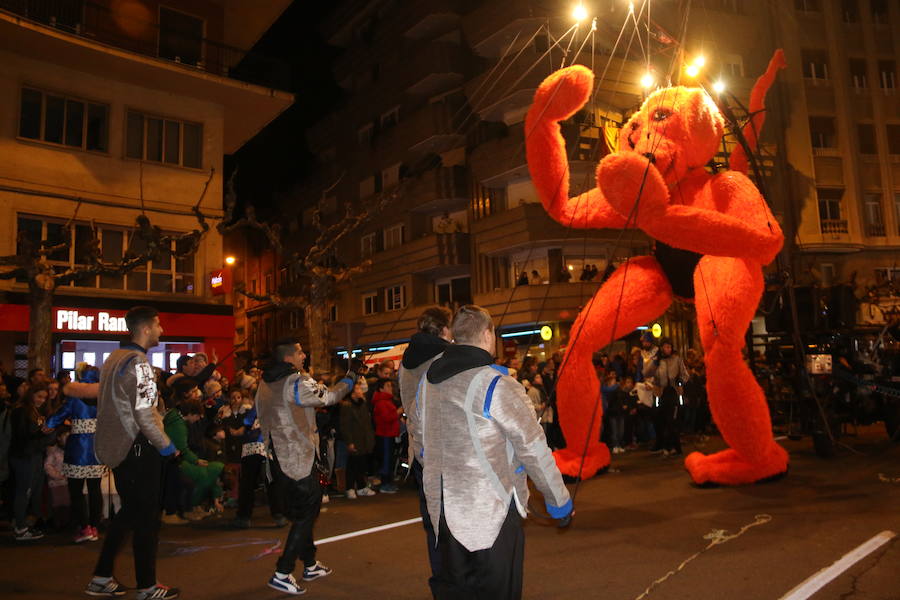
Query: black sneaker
(158, 592)
(315, 571)
(28, 534)
(110, 589)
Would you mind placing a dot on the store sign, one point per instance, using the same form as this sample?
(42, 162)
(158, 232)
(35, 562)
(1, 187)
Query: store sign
(88, 321)
(217, 282)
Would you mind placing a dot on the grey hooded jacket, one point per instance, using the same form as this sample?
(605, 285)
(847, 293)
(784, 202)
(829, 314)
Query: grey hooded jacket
(480, 439)
(126, 406)
(286, 408)
(423, 350)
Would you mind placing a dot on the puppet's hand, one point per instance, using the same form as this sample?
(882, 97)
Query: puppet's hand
(620, 177)
(561, 94)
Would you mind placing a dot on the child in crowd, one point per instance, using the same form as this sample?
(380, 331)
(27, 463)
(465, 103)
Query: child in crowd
(616, 401)
(56, 479)
(231, 418)
(253, 460)
(387, 427)
(358, 435)
(203, 474)
(80, 465)
(29, 437)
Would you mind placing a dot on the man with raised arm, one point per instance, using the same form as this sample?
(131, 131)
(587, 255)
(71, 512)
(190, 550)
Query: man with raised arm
(286, 403)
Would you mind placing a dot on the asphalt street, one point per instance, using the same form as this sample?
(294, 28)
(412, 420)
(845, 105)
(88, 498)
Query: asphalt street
(641, 531)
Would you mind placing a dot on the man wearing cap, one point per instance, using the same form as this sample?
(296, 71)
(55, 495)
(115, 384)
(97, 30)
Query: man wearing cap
(480, 439)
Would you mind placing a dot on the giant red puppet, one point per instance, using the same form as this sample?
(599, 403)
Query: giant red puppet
(716, 226)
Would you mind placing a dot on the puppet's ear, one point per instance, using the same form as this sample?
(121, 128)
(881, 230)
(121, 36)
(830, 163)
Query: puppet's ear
(704, 123)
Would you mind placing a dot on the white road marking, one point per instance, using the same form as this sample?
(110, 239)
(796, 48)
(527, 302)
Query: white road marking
(828, 574)
(353, 534)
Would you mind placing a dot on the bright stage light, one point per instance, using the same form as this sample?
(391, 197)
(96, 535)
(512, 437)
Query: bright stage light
(647, 80)
(631, 7)
(692, 70)
(700, 61)
(719, 87)
(579, 13)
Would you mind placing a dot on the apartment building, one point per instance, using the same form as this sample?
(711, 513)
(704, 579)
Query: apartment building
(832, 142)
(437, 96)
(113, 109)
(437, 93)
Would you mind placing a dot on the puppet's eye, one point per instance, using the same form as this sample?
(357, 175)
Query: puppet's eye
(661, 114)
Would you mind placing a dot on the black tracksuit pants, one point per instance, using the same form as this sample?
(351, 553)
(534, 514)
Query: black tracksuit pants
(434, 556)
(494, 573)
(302, 501)
(138, 483)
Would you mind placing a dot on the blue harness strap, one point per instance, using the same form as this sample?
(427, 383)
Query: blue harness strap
(486, 411)
(297, 392)
(501, 369)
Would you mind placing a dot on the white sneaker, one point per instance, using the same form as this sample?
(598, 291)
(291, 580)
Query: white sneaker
(366, 491)
(351, 494)
(286, 584)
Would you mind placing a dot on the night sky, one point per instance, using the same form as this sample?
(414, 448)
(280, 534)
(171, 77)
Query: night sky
(273, 161)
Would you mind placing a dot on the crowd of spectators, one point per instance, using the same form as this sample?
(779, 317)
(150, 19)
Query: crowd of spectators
(650, 396)
(51, 480)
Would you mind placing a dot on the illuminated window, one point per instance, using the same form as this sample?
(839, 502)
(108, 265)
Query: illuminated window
(395, 297)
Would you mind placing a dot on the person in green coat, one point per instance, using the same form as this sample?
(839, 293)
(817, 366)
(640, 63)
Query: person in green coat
(204, 475)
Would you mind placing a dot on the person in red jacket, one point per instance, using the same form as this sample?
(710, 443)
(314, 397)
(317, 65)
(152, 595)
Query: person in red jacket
(387, 427)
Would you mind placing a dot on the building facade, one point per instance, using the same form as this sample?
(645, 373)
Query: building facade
(437, 92)
(112, 110)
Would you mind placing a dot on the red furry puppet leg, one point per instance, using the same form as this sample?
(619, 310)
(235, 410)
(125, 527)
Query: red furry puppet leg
(724, 310)
(645, 296)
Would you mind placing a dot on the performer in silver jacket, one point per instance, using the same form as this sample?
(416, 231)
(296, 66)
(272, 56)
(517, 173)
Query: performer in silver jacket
(425, 346)
(286, 403)
(480, 439)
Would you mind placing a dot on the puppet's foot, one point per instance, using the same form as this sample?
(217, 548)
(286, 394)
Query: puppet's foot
(570, 463)
(729, 468)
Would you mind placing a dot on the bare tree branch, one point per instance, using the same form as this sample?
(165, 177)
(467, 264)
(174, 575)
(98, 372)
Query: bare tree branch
(274, 299)
(228, 223)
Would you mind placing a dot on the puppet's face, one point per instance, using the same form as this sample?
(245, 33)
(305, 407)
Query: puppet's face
(681, 127)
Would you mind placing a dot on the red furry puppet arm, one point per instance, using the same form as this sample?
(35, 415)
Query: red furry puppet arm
(728, 218)
(559, 97)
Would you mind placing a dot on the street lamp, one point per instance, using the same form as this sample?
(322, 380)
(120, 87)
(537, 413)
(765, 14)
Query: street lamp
(719, 86)
(647, 80)
(579, 13)
(230, 260)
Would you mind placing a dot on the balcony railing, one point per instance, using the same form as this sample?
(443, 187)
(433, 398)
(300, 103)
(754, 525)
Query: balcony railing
(833, 225)
(875, 229)
(141, 33)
